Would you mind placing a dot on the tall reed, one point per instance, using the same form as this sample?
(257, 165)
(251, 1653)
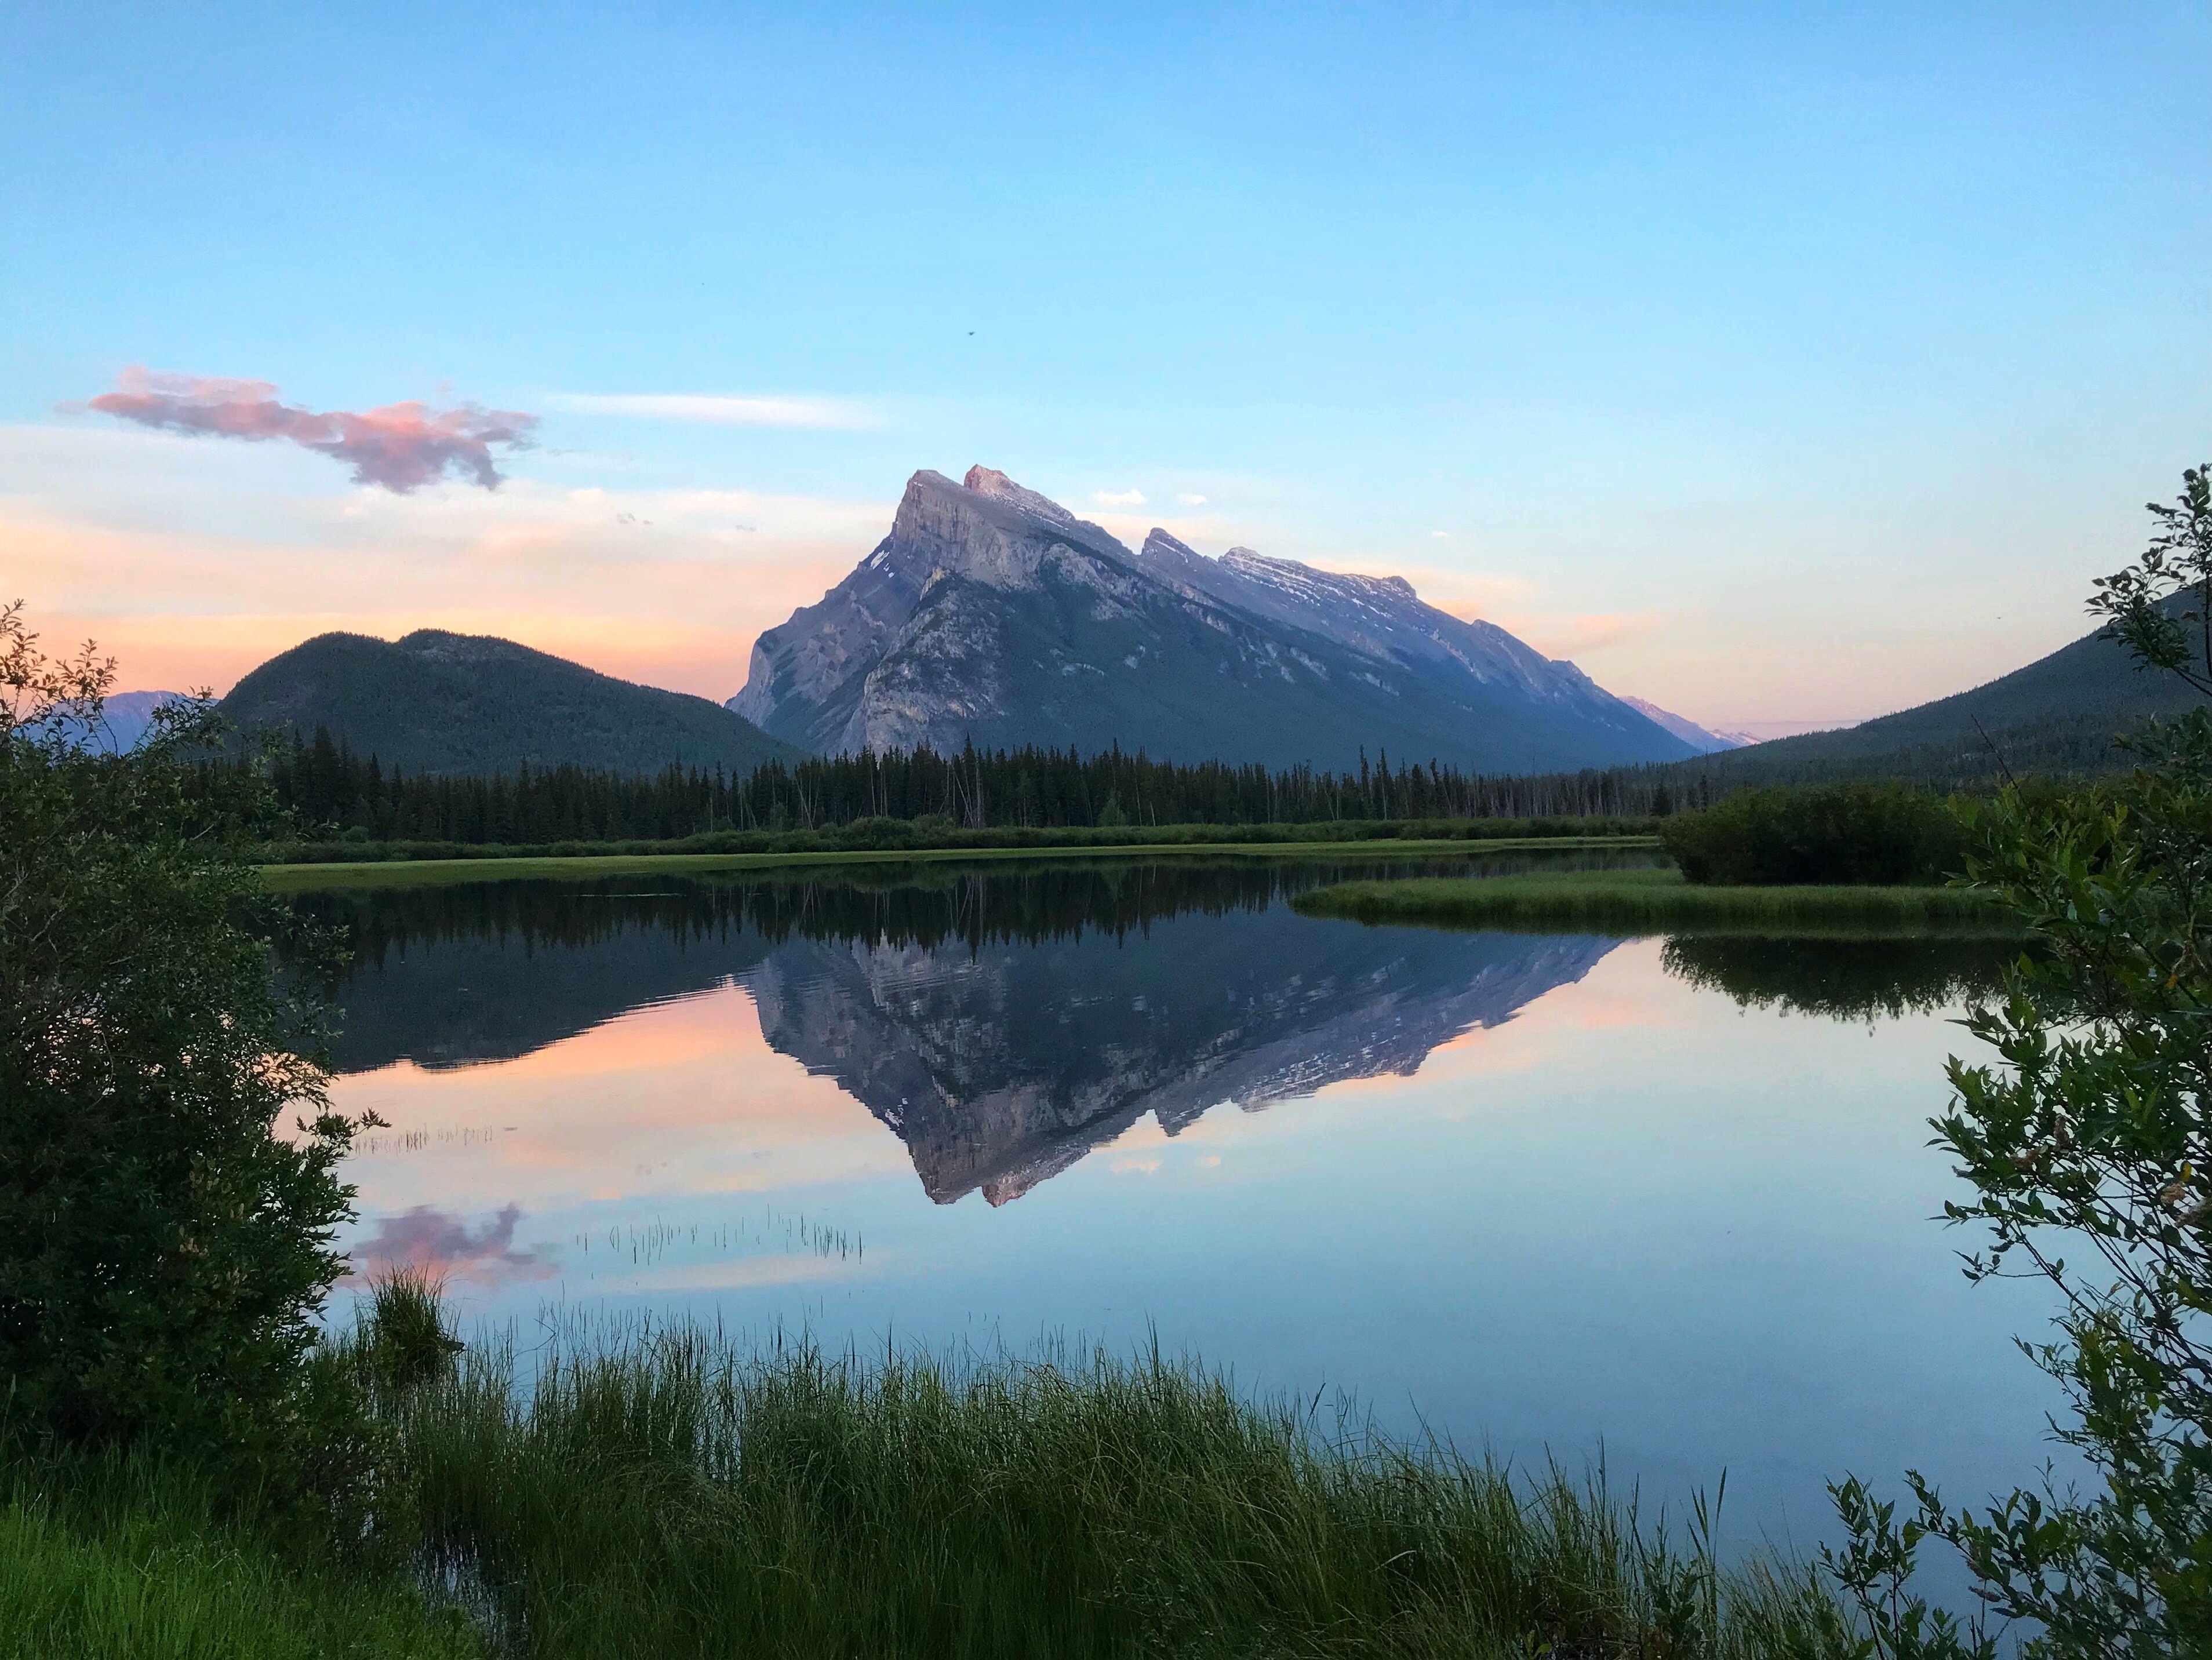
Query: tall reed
(668, 1492)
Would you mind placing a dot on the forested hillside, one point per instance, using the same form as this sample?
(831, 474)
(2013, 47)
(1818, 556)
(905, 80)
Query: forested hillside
(449, 703)
(2059, 714)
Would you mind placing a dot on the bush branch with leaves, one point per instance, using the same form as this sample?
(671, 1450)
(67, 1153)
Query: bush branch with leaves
(2088, 1150)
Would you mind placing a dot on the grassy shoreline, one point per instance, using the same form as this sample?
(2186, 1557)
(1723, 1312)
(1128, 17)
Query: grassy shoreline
(640, 1490)
(425, 872)
(1655, 901)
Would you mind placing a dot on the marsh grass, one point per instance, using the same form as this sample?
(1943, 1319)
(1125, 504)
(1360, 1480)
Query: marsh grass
(1644, 902)
(135, 1558)
(671, 1493)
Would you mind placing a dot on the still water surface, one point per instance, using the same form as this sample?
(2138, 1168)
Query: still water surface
(1669, 1201)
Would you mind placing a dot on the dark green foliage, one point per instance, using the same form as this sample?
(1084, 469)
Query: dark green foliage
(912, 796)
(1834, 834)
(2159, 608)
(451, 703)
(162, 1253)
(666, 1494)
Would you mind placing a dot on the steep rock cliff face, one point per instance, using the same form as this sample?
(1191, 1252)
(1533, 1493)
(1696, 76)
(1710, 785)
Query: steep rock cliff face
(992, 613)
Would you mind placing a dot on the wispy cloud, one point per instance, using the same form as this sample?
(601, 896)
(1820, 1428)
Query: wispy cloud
(1192, 501)
(1118, 498)
(720, 410)
(400, 446)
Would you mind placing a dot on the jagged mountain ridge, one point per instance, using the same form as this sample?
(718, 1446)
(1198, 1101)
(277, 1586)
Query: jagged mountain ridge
(990, 612)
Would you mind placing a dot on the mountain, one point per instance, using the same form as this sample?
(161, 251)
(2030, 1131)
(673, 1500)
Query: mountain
(1704, 742)
(124, 716)
(2058, 714)
(992, 613)
(442, 703)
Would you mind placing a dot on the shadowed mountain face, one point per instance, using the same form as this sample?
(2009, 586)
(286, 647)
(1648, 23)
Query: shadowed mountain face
(1001, 1024)
(991, 613)
(442, 703)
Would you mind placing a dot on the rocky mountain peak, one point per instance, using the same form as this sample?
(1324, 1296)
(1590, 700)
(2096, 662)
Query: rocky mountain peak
(989, 481)
(992, 613)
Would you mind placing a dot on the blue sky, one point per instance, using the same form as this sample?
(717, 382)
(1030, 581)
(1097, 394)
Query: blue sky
(1776, 363)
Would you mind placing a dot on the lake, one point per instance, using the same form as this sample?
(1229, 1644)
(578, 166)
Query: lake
(1666, 1202)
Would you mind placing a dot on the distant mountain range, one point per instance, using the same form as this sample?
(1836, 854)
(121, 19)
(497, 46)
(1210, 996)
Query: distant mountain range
(124, 718)
(992, 613)
(439, 702)
(1706, 743)
(2058, 714)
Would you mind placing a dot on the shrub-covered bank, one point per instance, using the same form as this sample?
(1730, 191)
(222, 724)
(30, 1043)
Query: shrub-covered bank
(1654, 901)
(1842, 835)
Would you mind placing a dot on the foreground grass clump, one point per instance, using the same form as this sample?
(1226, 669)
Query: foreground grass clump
(677, 1496)
(128, 1558)
(1653, 901)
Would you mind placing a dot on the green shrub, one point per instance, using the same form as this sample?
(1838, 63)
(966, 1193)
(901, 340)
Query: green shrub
(1834, 834)
(163, 1252)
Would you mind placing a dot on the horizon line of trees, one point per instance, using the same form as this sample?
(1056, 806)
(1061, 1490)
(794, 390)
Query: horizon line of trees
(331, 790)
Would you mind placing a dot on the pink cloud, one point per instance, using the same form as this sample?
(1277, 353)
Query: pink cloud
(427, 1240)
(400, 446)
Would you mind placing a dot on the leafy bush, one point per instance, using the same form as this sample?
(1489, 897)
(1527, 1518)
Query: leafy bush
(2088, 1147)
(1843, 835)
(163, 1251)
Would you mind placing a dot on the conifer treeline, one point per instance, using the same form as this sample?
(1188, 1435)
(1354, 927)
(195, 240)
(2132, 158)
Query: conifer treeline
(332, 790)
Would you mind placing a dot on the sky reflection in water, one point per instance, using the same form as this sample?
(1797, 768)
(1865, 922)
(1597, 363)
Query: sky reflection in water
(1536, 1192)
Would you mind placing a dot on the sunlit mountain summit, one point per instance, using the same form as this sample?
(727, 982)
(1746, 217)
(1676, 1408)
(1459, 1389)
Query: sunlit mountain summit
(991, 613)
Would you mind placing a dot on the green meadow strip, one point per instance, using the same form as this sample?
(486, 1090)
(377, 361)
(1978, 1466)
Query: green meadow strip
(429, 871)
(1656, 902)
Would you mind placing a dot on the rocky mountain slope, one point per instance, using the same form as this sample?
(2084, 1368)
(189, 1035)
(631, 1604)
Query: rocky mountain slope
(443, 702)
(990, 612)
(1696, 737)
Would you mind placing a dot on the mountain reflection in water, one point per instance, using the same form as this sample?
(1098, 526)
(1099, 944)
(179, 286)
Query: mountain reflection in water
(1669, 1200)
(1002, 1023)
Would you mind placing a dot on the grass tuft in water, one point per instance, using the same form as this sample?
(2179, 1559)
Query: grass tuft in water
(1640, 901)
(669, 1492)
